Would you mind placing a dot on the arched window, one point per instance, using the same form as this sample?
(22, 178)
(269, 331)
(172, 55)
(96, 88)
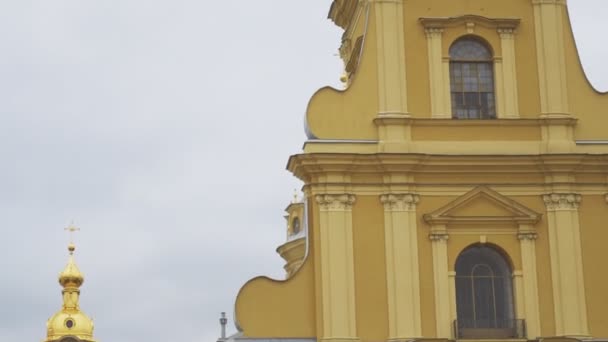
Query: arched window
(472, 80)
(484, 295)
(295, 226)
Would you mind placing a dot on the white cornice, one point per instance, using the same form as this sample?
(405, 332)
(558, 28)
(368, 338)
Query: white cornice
(438, 22)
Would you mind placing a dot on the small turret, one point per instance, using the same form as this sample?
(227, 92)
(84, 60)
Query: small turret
(70, 324)
(294, 250)
(223, 322)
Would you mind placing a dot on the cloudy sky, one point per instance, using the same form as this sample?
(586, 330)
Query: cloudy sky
(162, 128)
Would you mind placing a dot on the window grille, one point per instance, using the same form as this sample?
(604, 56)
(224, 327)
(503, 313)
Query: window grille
(484, 293)
(472, 80)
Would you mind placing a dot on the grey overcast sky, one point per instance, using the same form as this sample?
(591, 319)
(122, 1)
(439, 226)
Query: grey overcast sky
(162, 128)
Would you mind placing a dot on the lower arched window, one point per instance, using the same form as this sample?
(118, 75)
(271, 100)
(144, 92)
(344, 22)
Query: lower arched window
(484, 293)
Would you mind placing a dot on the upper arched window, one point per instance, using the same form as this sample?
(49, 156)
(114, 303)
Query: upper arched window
(484, 294)
(295, 226)
(472, 80)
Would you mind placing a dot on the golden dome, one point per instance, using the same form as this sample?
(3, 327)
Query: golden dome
(63, 324)
(71, 276)
(70, 321)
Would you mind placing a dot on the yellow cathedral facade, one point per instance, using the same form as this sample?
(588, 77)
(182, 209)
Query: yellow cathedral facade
(456, 189)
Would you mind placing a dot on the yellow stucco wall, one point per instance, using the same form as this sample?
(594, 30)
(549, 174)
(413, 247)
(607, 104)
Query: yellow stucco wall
(331, 112)
(280, 308)
(370, 274)
(594, 235)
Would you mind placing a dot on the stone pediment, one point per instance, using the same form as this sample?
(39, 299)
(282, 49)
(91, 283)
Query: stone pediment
(482, 205)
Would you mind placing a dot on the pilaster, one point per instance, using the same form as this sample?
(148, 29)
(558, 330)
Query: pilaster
(518, 287)
(392, 86)
(452, 298)
(337, 267)
(527, 288)
(440, 94)
(566, 264)
(402, 271)
(549, 30)
(510, 108)
(439, 244)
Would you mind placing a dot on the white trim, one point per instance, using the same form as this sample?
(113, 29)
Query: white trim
(592, 142)
(338, 141)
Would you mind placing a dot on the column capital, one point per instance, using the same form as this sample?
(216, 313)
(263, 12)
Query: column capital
(562, 201)
(530, 236)
(335, 202)
(433, 31)
(439, 237)
(506, 32)
(400, 202)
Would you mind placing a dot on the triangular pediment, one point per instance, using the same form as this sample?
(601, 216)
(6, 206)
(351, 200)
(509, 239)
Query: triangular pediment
(483, 204)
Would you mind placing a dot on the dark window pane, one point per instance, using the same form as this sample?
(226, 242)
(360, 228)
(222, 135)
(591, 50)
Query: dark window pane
(485, 310)
(464, 291)
(481, 270)
(484, 296)
(471, 100)
(469, 49)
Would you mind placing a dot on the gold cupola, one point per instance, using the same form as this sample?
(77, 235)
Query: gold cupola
(70, 324)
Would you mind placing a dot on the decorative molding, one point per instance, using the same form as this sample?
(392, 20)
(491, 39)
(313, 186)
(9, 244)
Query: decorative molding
(335, 202)
(470, 27)
(559, 201)
(308, 165)
(342, 13)
(549, 2)
(352, 63)
(469, 21)
(345, 49)
(519, 213)
(400, 202)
